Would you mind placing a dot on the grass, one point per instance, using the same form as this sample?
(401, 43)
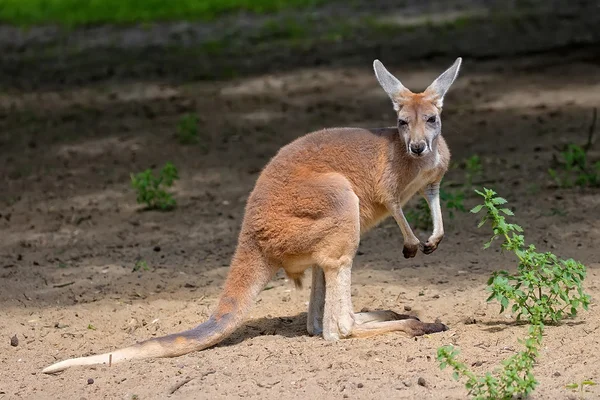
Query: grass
(151, 188)
(90, 12)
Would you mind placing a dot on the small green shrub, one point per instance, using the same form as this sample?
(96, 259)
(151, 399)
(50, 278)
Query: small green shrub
(453, 201)
(575, 169)
(515, 376)
(544, 289)
(151, 189)
(141, 265)
(187, 129)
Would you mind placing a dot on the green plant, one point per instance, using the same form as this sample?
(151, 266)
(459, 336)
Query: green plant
(542, 290)
(151, 189)
(187, 129)
(575, 169)
(544, 287)
(453, 201)
(140, 265)
(515, 376)
(581, 386)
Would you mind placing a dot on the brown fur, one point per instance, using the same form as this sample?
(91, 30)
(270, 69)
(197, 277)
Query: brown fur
(308, 209)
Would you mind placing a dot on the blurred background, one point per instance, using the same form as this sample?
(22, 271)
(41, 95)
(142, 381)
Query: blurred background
(112, 111)
(52, 43)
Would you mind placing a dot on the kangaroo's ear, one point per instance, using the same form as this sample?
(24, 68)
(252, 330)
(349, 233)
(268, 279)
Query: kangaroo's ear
(392, 86)
(440, 86)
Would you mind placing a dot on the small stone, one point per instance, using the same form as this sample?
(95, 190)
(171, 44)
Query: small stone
(14, 341)
(421, 382)
(90, 381)
(436, 296)
(360, 385)
(407, 383)
(407, 308)
(556, 373)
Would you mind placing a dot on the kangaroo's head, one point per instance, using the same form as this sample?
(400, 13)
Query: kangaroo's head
(419, 121)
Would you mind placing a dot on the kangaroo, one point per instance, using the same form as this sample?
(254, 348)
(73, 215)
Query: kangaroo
(308, 209)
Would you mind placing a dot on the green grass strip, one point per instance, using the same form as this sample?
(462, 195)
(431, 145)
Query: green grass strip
(92, 12)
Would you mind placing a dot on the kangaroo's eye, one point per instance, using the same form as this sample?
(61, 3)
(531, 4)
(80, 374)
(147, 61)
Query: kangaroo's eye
(432, 119)
(402, 122)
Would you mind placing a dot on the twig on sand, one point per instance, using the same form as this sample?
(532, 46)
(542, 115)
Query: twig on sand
(177, 386)
(187, 380)
(59, 285)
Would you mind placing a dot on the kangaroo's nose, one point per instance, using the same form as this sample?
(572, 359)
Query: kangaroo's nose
(417, 148)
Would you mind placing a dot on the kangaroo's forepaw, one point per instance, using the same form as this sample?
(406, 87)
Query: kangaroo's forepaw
(429, 248)
(410, 250)
(431, 245)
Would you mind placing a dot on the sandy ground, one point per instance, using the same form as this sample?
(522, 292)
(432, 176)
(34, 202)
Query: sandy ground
(72, 233)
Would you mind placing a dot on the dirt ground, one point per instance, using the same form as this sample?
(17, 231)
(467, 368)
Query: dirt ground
(72, 232)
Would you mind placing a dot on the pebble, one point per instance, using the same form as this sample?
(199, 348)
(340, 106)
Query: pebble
(14, 341)
(90, 381)
(407, 308)
(421, 382)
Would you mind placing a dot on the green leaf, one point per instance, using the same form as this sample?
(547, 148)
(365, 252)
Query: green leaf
(476, 209)
(572, 386)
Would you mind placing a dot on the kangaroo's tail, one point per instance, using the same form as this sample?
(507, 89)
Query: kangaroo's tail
(248, 275)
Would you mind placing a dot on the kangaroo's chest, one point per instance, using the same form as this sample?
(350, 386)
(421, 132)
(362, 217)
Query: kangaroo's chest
(372, 213)
(406, 190)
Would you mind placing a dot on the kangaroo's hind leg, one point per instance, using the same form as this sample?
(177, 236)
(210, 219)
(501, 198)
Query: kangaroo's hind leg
(378, 322)
(316, 304)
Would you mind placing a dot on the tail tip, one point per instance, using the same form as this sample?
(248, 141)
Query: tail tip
(52, 369)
